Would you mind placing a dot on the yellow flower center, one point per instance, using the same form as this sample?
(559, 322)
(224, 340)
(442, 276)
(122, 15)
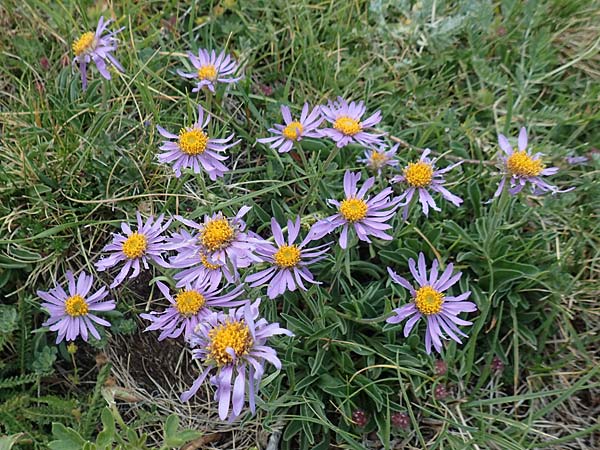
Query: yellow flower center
(378, 159)
(418, 174)
(189, 303)
(193, 142)
(347, 125)
(76, 306)
(287, 256)
(84, 43)
(293, 131)
(207, 72)
(206, 263)
(217, 233)
(523, 165)
(234, 335)
(429, 301)
(353, 209)
(135, 245)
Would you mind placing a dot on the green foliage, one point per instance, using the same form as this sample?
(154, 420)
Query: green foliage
(119, 438)
(446, 75)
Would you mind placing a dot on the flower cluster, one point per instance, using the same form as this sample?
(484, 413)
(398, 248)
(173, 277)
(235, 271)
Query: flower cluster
(213, 265)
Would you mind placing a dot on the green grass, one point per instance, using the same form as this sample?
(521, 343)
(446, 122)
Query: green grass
(448, 77)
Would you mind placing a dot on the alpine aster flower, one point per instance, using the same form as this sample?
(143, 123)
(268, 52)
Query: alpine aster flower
(294, 130)
(194, 263)
(92, 46)
(288, 261)
(347, 125)
(189, 307)
(574, 160)
(234, 346)
(71, 314)
(211, 69)
(136, 248)
(421, 177)
(429, 303)
(222, 239)
(522, 167)
(378, 159)
(367, 216)
(194, 148)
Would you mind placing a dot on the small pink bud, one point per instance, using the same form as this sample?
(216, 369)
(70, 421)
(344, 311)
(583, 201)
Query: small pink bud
(359, 417)
(44, 63)
(440, 367)
(401, 420)
(497, 365)
(440, 392)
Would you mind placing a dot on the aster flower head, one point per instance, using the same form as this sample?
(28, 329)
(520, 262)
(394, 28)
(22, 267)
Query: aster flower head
(368, 216)
(136, 248)
(522, 167)
(377, 159)
(288, 261)
(189, 307)
(429, 303)
(422, 177)
(73, 314)
(211, 69)
(194, 264)
(224, 240)
(93, 46)
(233, 346)
(293, 130)
(347, 126)
(195, 149)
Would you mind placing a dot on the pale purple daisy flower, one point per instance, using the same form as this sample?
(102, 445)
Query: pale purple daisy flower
(574, 160)
(347, 125)
(196, 268)
(97, 48)
(522, 167)
(136, 248)
(421, 177)
(376, 159)
(71, 314)
(211, 69)
(234, 346)
(428, 302)
(222, 239)
(189, 307)
(194, 149)
(294, 130)
(288, 262)
(367, 216)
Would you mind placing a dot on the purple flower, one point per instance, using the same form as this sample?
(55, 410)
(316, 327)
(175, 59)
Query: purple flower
(234, 346)
(288, 261)
(347, 124)
(574, 160)
(367, 216)
(522, 166)
(211, 69)
(378, 159)
(195, 264)
(429, 302)
(294, 130)
(195, 149)
(95, 47)
(189, 307)
(70, 314)
(222, 239)
(421, 177)
(136, 248)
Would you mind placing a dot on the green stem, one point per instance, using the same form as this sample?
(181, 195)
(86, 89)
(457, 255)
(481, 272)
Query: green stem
(317, 179)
